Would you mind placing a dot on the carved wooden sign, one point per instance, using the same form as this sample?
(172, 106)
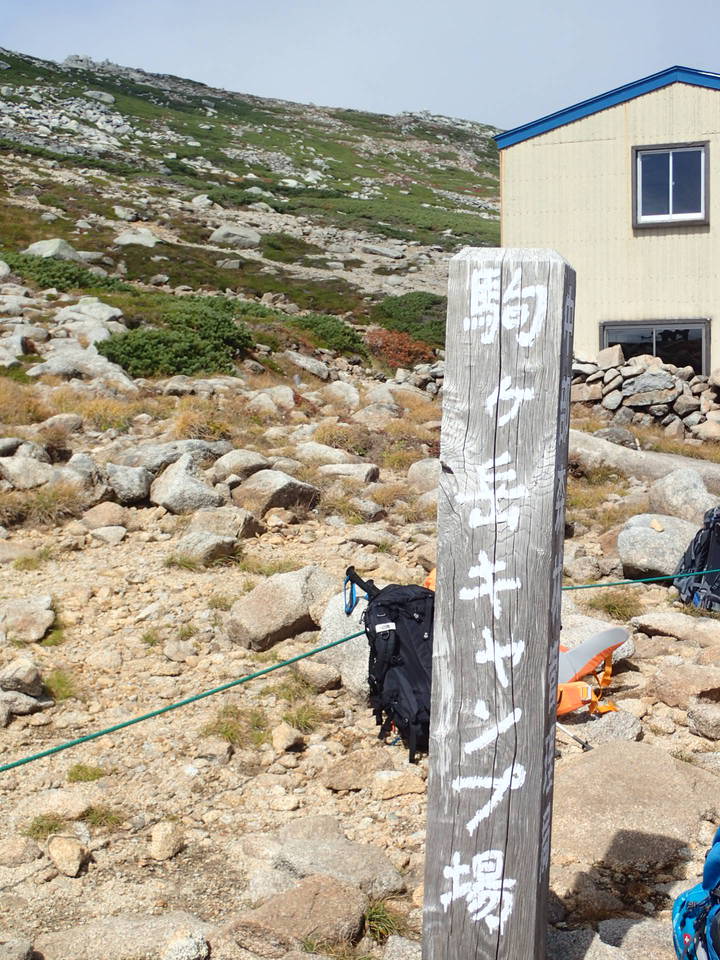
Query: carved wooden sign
(501, 517)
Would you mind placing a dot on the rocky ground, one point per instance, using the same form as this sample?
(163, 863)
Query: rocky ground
(163, 534)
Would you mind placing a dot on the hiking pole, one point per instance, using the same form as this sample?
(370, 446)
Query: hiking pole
(583, 743)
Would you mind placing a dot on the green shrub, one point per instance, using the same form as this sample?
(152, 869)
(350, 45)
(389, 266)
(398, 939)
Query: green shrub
(63, 274)
(331, 333)
(199, 336)
(44, 826)
(84, 773)
(422, 315)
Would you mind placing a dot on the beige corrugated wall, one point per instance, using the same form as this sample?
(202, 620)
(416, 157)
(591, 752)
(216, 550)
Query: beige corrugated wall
(571, 190)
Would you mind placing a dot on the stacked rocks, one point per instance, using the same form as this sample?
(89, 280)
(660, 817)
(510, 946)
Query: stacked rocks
(647, 392)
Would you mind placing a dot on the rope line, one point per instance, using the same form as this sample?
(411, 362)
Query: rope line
(172, 706)
(622, 583)
(277, 666)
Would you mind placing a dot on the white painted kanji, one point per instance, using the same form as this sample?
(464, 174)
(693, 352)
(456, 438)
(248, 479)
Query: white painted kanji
(489, 485)
(490, 587)
(484, 303)
(498, 653)
(512, 779)
(521, 308)
(506, 393)
(494, 730)
(482, 884)
(524, 308)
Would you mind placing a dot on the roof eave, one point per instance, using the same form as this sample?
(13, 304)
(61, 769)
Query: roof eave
(612, 98)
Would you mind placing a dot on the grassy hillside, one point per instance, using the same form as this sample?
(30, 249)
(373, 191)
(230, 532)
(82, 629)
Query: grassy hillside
(409, 177)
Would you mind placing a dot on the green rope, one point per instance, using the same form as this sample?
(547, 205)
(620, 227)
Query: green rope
(173, 706)
(277, 666)
(623, 583)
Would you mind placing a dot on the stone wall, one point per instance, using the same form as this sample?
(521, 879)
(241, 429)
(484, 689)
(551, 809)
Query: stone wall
(647, 392)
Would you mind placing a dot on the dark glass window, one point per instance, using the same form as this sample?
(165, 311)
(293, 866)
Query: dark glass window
(671, 185)
(687, 181)
(681, 344)
(655, 180)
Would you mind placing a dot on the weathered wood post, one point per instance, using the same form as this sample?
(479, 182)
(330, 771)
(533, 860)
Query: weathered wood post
(506, 408)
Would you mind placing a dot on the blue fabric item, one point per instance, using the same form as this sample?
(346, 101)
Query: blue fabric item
(711, 870)
(696, 913)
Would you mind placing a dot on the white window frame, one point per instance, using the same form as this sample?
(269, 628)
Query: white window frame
(651, 220)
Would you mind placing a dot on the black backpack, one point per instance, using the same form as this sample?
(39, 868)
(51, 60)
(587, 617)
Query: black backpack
(399, 628)
(703, 554)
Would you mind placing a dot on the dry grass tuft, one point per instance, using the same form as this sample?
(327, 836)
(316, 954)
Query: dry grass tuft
(201, 420)
(262, 567)
(653, 438)
(388, 494)
(107, 413)
(352, 437)
(618, 603)
(43, 506)
(20, 404)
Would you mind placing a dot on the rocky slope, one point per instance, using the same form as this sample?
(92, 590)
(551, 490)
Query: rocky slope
(166, 532)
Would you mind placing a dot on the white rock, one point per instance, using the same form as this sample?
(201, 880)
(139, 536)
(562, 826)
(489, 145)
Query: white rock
(142, 237)
(180, 490)
(25, 473)
(57, 248)
(232, 235)
(101, 96)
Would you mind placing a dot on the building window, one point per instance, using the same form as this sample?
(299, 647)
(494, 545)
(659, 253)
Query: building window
(681, 343)
(670, 185)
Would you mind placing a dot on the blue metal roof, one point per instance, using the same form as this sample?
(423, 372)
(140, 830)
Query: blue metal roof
(698, 78)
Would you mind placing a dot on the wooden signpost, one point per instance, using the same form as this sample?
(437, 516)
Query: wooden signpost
(501, 517)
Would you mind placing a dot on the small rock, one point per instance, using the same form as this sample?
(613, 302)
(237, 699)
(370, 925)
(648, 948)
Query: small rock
(68, 854)
(225, 521)
(284, 737)
(318, 908)
(388, 784)
(232, 235)
(25, 473)
(316, 367)
(186, 946)
(129, 484)
(272, 488)
(105, 515)
(320, 676)
(27, 620)
(682, 493)
(205, 548)
(166, 840)
(140, 237)
(57, 248)
(179, 489)
(424, 475)
(399, 948)
(242, 463)
(22, 676)
(282, 606)
(646, 551)
(110, 535)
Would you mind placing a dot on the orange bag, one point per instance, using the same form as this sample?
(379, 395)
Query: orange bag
(576, 692)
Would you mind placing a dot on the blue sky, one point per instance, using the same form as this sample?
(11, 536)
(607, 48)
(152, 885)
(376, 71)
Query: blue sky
(502, 63)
